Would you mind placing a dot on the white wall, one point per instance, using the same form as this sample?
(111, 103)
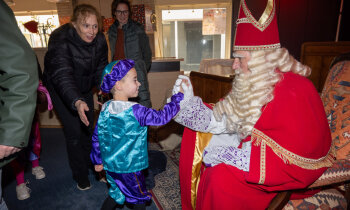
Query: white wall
(32, 5)
(103, 6)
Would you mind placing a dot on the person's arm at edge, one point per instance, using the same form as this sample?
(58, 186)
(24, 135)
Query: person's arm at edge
(19, 82)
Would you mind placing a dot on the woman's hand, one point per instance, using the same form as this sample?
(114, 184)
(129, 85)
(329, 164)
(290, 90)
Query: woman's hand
(98, 168)
(82, 107)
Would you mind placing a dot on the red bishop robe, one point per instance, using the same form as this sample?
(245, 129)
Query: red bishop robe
(291, 148)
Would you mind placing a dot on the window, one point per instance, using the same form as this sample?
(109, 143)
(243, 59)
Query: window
(46, 24)
(194, 34)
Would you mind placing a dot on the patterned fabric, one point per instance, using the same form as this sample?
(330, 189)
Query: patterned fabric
(339, 172)
(229, 155)
(326, 199)
(107, 22)
(166, 193)
(195, 115)
(336, 100)
(138, 13)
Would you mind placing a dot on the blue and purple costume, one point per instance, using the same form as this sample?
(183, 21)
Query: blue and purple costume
(119, 142)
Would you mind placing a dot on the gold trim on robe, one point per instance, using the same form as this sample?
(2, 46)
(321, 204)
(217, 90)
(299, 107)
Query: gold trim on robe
(260, 139)
(202, 141)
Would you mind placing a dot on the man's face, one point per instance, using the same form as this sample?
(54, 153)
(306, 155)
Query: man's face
(122, 14)
(241, 63)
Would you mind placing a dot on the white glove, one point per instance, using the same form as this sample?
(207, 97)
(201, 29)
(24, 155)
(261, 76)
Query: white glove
(176, 87)
(187, 88)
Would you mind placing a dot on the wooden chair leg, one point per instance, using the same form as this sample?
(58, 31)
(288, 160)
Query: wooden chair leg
(280, 200)
(347, 194)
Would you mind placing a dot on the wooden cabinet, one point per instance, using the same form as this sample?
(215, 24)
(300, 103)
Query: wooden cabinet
(318, 56)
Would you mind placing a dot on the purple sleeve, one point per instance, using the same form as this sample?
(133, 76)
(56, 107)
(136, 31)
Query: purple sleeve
(146, 116)
(95, 154)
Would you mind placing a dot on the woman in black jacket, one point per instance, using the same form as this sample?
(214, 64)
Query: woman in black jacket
(76, 56)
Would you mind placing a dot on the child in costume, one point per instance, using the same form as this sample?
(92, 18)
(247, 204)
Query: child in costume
(32, 152)
(119, 141)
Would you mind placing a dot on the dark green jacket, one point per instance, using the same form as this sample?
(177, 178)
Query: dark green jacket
(136, 47)
(18, 83)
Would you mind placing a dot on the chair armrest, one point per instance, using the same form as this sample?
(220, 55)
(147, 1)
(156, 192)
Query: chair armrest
(280, 200)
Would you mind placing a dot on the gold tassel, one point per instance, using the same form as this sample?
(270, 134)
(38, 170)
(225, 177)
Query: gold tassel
(291, 158)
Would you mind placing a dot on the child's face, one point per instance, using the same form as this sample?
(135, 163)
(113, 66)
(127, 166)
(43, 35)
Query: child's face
(130, 85)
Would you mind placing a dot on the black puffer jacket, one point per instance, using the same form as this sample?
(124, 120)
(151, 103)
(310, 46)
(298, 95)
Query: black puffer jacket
(73, 66)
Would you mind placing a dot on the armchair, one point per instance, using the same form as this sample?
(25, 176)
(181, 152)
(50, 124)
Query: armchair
(333, 185)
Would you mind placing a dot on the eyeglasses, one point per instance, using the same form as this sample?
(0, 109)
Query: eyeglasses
(124, 12)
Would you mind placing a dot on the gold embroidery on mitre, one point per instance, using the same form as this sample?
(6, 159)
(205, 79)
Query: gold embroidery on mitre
(258, 47)
(258, 138)
(242, 20)
(265, 18)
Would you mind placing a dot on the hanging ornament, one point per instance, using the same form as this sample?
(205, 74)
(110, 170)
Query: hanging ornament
(32, 26)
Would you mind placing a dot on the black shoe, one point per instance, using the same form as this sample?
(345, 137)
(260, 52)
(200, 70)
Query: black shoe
(84, 185)
(110, 204)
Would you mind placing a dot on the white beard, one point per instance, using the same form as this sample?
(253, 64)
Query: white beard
(242, 106)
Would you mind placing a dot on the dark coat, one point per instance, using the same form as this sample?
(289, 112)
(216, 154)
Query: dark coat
(72, 66)
(136, 47)
(18, 83)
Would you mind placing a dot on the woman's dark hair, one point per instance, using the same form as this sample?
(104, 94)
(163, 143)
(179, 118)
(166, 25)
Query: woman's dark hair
(115, 4)
(84, 10)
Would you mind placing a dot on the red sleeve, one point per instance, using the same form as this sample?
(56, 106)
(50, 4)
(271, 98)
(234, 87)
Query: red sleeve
(295, 121)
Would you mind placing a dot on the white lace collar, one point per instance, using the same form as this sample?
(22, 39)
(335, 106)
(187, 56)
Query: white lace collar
(116, 107)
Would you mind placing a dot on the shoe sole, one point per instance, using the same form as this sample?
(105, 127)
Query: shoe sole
(21, 199)
(36, 177)
(83, 189)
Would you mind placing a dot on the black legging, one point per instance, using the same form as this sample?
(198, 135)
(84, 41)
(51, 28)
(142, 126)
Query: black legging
(110, 204)
(77, 135)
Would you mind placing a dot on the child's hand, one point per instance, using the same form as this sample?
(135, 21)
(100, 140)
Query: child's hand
(98, 168)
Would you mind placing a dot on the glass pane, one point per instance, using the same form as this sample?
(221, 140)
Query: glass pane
(183, 37)
(46, 24)
(169, 38)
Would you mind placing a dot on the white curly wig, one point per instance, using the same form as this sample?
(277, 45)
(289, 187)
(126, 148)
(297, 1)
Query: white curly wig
(250, 92)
